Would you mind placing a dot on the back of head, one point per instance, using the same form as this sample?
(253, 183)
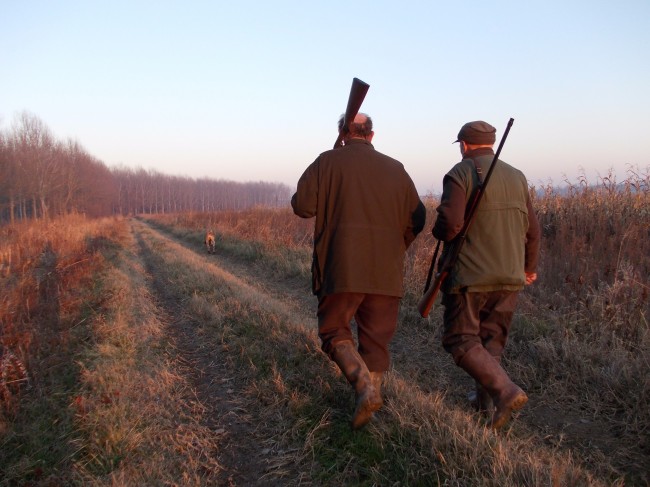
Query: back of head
(361, 126)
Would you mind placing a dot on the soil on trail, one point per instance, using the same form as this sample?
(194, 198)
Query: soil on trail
(242, 453)
(218, 385)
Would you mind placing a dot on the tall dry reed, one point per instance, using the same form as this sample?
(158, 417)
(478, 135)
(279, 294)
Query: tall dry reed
(595, 252)
(43, 267)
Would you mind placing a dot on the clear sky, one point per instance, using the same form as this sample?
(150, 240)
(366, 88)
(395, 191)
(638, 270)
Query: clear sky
(252, 90)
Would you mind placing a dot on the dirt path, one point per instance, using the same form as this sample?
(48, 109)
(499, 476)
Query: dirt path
(218, 384)
(416, 354)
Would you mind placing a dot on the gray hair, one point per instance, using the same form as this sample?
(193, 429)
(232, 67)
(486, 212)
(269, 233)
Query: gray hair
(357, 129)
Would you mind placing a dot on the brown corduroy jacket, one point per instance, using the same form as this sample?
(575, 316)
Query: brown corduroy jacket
(367, 214)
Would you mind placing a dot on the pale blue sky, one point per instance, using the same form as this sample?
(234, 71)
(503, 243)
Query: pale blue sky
(251, 90)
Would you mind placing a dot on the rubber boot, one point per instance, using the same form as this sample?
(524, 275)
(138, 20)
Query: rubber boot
(505, 394)
(356, 372)
(481, 400)
(377, 378)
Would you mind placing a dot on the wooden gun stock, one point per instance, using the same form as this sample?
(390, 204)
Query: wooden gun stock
(358, 92)
(426, 301)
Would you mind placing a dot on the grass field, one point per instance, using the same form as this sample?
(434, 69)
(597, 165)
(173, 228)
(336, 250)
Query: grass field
(132, 357)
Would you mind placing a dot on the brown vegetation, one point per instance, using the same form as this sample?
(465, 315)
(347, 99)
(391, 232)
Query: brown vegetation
(131, 357)
(581, 339)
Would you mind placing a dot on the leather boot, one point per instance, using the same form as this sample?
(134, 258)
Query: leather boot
(481, 400)
(376, 378)
(505, 394)
(356, 372)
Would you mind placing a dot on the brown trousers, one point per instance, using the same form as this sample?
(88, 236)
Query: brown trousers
(376, 318)
(472, 319)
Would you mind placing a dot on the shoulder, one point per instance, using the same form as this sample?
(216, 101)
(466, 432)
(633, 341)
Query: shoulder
(513, 171)
(461, 171)
(340, 153)
(388, 159)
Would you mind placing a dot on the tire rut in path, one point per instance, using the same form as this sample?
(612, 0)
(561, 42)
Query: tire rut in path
(218, 386)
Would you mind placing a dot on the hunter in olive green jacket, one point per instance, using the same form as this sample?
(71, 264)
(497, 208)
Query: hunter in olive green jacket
(367, 214)
(503, 240)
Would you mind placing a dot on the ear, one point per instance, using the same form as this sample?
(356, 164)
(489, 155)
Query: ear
(370, 136)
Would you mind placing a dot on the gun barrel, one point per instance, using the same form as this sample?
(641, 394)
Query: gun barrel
(358, 92)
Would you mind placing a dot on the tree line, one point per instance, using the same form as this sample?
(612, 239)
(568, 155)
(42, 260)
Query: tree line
(42, 177)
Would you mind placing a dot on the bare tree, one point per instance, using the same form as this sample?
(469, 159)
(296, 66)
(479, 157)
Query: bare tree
(37, 161)
(41, 177)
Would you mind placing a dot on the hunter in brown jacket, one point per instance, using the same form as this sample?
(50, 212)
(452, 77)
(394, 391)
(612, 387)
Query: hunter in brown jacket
(367, 214)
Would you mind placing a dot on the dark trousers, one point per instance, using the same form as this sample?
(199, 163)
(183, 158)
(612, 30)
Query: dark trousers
(376, 318)
(473, 319)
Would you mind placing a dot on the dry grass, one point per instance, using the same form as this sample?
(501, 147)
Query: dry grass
(141, 421)
(581, 337)
(305, 405)
(44, 267)
(106, 401)
(48, 294)
(130, 358)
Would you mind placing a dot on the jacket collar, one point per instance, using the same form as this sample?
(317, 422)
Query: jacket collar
(358, 141)
(481, 151)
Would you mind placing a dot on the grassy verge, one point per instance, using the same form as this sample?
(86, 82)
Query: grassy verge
(123, 382)
(579, 342)
(271, 255)
(51, 297)
(419, 439)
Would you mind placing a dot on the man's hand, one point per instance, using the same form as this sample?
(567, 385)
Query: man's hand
(531, 277)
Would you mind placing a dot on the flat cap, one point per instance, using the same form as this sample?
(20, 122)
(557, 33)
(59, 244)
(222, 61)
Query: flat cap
(477, 133)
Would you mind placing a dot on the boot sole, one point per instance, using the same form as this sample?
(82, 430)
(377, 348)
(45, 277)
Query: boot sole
(519, 402)
(515, 405)
(363, 414)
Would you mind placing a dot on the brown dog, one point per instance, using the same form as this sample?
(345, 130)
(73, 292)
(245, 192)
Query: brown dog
(210, 242)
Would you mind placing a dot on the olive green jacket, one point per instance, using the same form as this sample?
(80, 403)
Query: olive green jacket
(367, 213)
(503, 240)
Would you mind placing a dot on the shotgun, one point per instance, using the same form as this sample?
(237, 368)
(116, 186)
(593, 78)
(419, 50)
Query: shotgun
(430, 291)
(358, 92)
